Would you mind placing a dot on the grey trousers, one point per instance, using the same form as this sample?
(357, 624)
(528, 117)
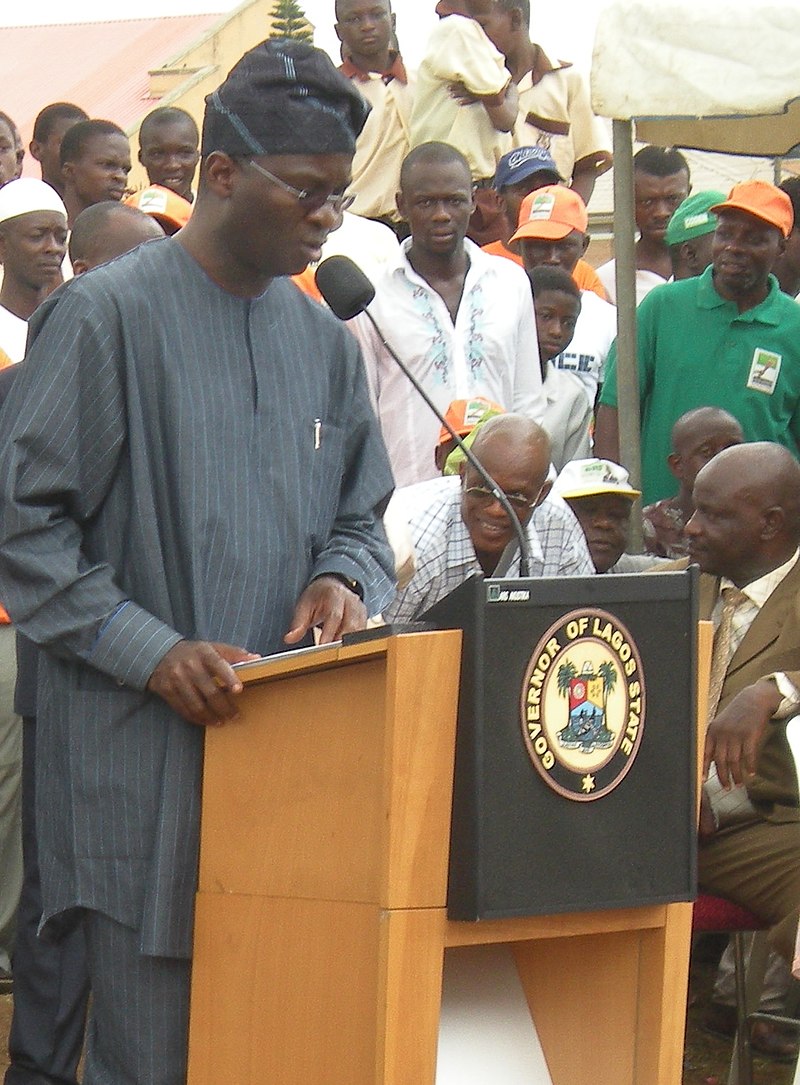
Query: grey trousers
(139, 1017)
(10, 797)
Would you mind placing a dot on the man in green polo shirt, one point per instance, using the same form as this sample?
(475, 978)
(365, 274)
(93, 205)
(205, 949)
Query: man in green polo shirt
(728, 338)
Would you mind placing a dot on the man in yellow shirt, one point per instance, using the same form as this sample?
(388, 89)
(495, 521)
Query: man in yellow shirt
(465, 96)
(554, 107)
(366, 30)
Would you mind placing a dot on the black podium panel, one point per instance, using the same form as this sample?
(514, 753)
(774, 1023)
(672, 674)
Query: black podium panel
(575, 756)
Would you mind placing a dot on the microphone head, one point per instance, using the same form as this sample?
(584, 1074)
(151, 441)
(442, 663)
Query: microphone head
(344, 286)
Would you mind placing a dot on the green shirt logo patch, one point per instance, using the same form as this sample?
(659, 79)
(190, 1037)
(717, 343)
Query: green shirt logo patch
(764, 370)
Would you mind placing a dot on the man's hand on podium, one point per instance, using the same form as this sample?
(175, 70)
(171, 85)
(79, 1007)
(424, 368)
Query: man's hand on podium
(330, 604)
(195, 678)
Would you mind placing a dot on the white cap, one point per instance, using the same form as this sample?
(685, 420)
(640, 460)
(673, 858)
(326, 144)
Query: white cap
(26, 195)
(585, 478)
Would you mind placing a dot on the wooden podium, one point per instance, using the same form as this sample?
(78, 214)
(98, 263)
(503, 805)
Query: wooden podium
(321, 922)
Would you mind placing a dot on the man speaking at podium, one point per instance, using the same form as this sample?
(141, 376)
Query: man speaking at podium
(193, 474)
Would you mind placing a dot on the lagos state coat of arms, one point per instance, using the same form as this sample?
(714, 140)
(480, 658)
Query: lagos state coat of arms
(583, 704)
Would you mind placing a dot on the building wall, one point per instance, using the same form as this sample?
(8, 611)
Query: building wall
(197, 71)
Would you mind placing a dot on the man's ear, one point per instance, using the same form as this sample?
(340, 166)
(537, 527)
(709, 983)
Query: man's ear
(220, 172)
(774, 522)
(544, 492)
(67, 171)
(79, 267)
(399, 200)
(35, 148)
(674, 464)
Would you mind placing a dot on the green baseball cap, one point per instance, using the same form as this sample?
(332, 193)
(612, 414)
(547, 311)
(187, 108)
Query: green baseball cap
(693, 217)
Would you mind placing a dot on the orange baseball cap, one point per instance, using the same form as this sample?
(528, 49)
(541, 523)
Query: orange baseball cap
(464, 414)
(762, 200)
(550, 213)
(165, 206)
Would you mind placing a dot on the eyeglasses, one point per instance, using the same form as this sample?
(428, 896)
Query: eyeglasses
(485, 497)
(309, 201)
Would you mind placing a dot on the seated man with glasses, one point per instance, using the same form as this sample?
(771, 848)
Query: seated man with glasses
(458, 528)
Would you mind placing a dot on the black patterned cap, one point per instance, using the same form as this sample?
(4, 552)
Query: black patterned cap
(284, 97)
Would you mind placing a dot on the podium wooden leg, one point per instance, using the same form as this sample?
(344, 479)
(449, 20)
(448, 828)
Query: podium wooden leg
(272, 1005)
(588, 995)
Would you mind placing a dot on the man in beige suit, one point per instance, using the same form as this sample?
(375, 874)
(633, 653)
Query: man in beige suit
(744, 535)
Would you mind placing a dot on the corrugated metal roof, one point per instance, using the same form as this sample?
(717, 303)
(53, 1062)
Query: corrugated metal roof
(102, 67)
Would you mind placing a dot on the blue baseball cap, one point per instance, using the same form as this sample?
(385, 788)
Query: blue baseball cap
(523, 162)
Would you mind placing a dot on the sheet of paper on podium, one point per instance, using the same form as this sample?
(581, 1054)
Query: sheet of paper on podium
(486, 1032)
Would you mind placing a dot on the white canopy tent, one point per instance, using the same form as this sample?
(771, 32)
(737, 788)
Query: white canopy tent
(714, 75)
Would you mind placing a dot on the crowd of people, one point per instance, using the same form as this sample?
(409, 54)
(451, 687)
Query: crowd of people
(201, 465)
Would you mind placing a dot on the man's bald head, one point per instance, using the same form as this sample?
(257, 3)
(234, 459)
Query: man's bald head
(514, 439)
(747, 511)
(516, 453)
(107, 230)
(697, 437)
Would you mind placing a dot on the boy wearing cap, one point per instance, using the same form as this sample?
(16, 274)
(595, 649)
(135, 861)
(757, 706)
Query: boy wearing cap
(728, 338)
(601, 497)
(697, 437)
(519, 173)
(553, 232)
(690, 234)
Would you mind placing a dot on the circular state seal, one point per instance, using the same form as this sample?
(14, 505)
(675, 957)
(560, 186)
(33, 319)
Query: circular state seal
(583, 704)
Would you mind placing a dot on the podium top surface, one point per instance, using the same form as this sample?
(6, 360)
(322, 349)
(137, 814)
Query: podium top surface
(319, 657)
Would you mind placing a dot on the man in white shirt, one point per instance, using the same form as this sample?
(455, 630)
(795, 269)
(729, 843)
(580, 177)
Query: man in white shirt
(458, 529)
(460, 320)
(553, 232)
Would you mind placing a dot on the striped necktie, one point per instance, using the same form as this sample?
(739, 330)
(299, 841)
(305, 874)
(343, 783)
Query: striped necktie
(721, 653)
